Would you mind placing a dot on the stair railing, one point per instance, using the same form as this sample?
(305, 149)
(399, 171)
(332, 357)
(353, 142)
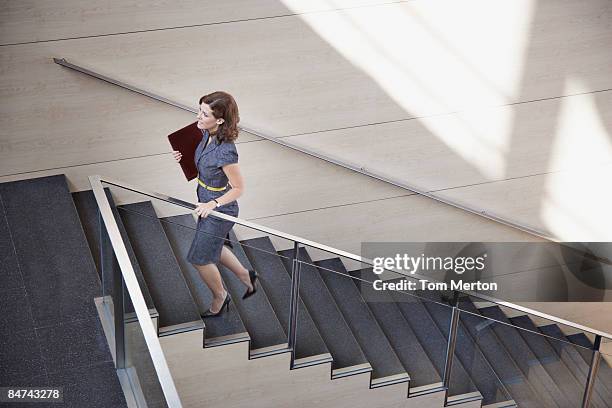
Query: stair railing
(124, 278)
(96, 182)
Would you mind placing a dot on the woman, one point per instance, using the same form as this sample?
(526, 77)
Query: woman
(219, 185)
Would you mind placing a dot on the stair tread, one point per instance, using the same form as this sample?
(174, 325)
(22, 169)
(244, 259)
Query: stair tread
(59, 275)
(551, 362)
(474, 362)
(87, 208)
(180, 230)
(401, 337)
(433, 341)
(277, 284)
(159, 266)
(510, 375)
(605, 371)
(362, 323)
(574, 360)
(334, 330)
(525, 359)
(256, 312)
(485, 338)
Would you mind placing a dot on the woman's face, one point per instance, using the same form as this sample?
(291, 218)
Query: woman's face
(206, 119)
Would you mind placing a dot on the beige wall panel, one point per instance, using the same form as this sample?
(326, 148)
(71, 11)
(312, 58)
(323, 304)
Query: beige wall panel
(53, 117)
(278, 181)
(476, 146)
(268, 64)
(411, 218)
(571, 205)
(230, 380)
(30, 20)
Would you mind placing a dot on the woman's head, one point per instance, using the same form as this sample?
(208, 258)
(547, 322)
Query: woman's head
(218, 114)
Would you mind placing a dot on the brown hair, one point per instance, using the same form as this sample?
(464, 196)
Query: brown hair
(224, 107)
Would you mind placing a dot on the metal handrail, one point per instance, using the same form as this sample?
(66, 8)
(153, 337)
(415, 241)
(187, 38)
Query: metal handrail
(133, 288)
(345, 254)
(351, 166)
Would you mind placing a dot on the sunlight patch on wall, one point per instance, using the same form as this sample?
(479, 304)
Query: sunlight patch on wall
(434, 57)
(576, 204)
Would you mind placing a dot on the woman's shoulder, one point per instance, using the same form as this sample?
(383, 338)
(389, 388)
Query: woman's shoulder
(227, 153)
(228, 146)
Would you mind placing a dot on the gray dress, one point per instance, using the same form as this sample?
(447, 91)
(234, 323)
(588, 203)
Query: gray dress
(211, 231)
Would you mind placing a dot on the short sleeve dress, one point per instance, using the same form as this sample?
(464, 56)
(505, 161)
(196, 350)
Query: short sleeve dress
(211, 231)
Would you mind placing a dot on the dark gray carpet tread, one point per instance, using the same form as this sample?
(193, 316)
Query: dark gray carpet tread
(277, 284)
(256, 312)
(9, 267)
(574, 360)
(433, 341)
(520, 352)
(51, 249)
(557, 368)
(334, 330)
(159, 266)
(470, 356)
(87, 208)
(401, 337)
(180, 232)
(366, 330)
(605, 372)
(506, 369)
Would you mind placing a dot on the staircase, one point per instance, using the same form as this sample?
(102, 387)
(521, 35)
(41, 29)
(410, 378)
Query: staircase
(376, 354)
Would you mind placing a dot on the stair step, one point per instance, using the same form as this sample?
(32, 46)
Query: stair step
(469, 354)
(417, 364)
(574, 361)
(227, 327)
(51, 249)
(277, 284)
(265, 330)
(344, 348)
(547, 390)
(481, 331)
(433, 341)
(605, 372)
(362, 323)
(87, 209)
(550, 360)
(159, 267)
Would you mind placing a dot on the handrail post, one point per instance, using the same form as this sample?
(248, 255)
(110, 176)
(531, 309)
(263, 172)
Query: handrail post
(293, 306)
(594, 367)
(452, 342)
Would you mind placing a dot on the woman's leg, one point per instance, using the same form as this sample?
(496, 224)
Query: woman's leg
(229, 260)
(212, 278)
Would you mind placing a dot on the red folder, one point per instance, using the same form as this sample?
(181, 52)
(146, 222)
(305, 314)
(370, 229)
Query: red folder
(186, 140)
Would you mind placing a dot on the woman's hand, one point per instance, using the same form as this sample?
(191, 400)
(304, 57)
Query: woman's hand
(177, 155)
(203, 209)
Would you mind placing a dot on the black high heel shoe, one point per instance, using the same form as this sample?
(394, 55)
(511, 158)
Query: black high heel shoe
(225, 305)
(253, 276)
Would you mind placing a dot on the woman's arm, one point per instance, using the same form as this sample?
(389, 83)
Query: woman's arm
(232, 171)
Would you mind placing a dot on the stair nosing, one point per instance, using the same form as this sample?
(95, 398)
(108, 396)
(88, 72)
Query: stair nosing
(390, 380)
(227, 339)
(269, 350)
(180, 328)
(463, 398)
(313, 360)
(425, 389)
(351, 370)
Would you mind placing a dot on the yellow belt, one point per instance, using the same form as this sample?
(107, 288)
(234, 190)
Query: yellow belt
(200, 182)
